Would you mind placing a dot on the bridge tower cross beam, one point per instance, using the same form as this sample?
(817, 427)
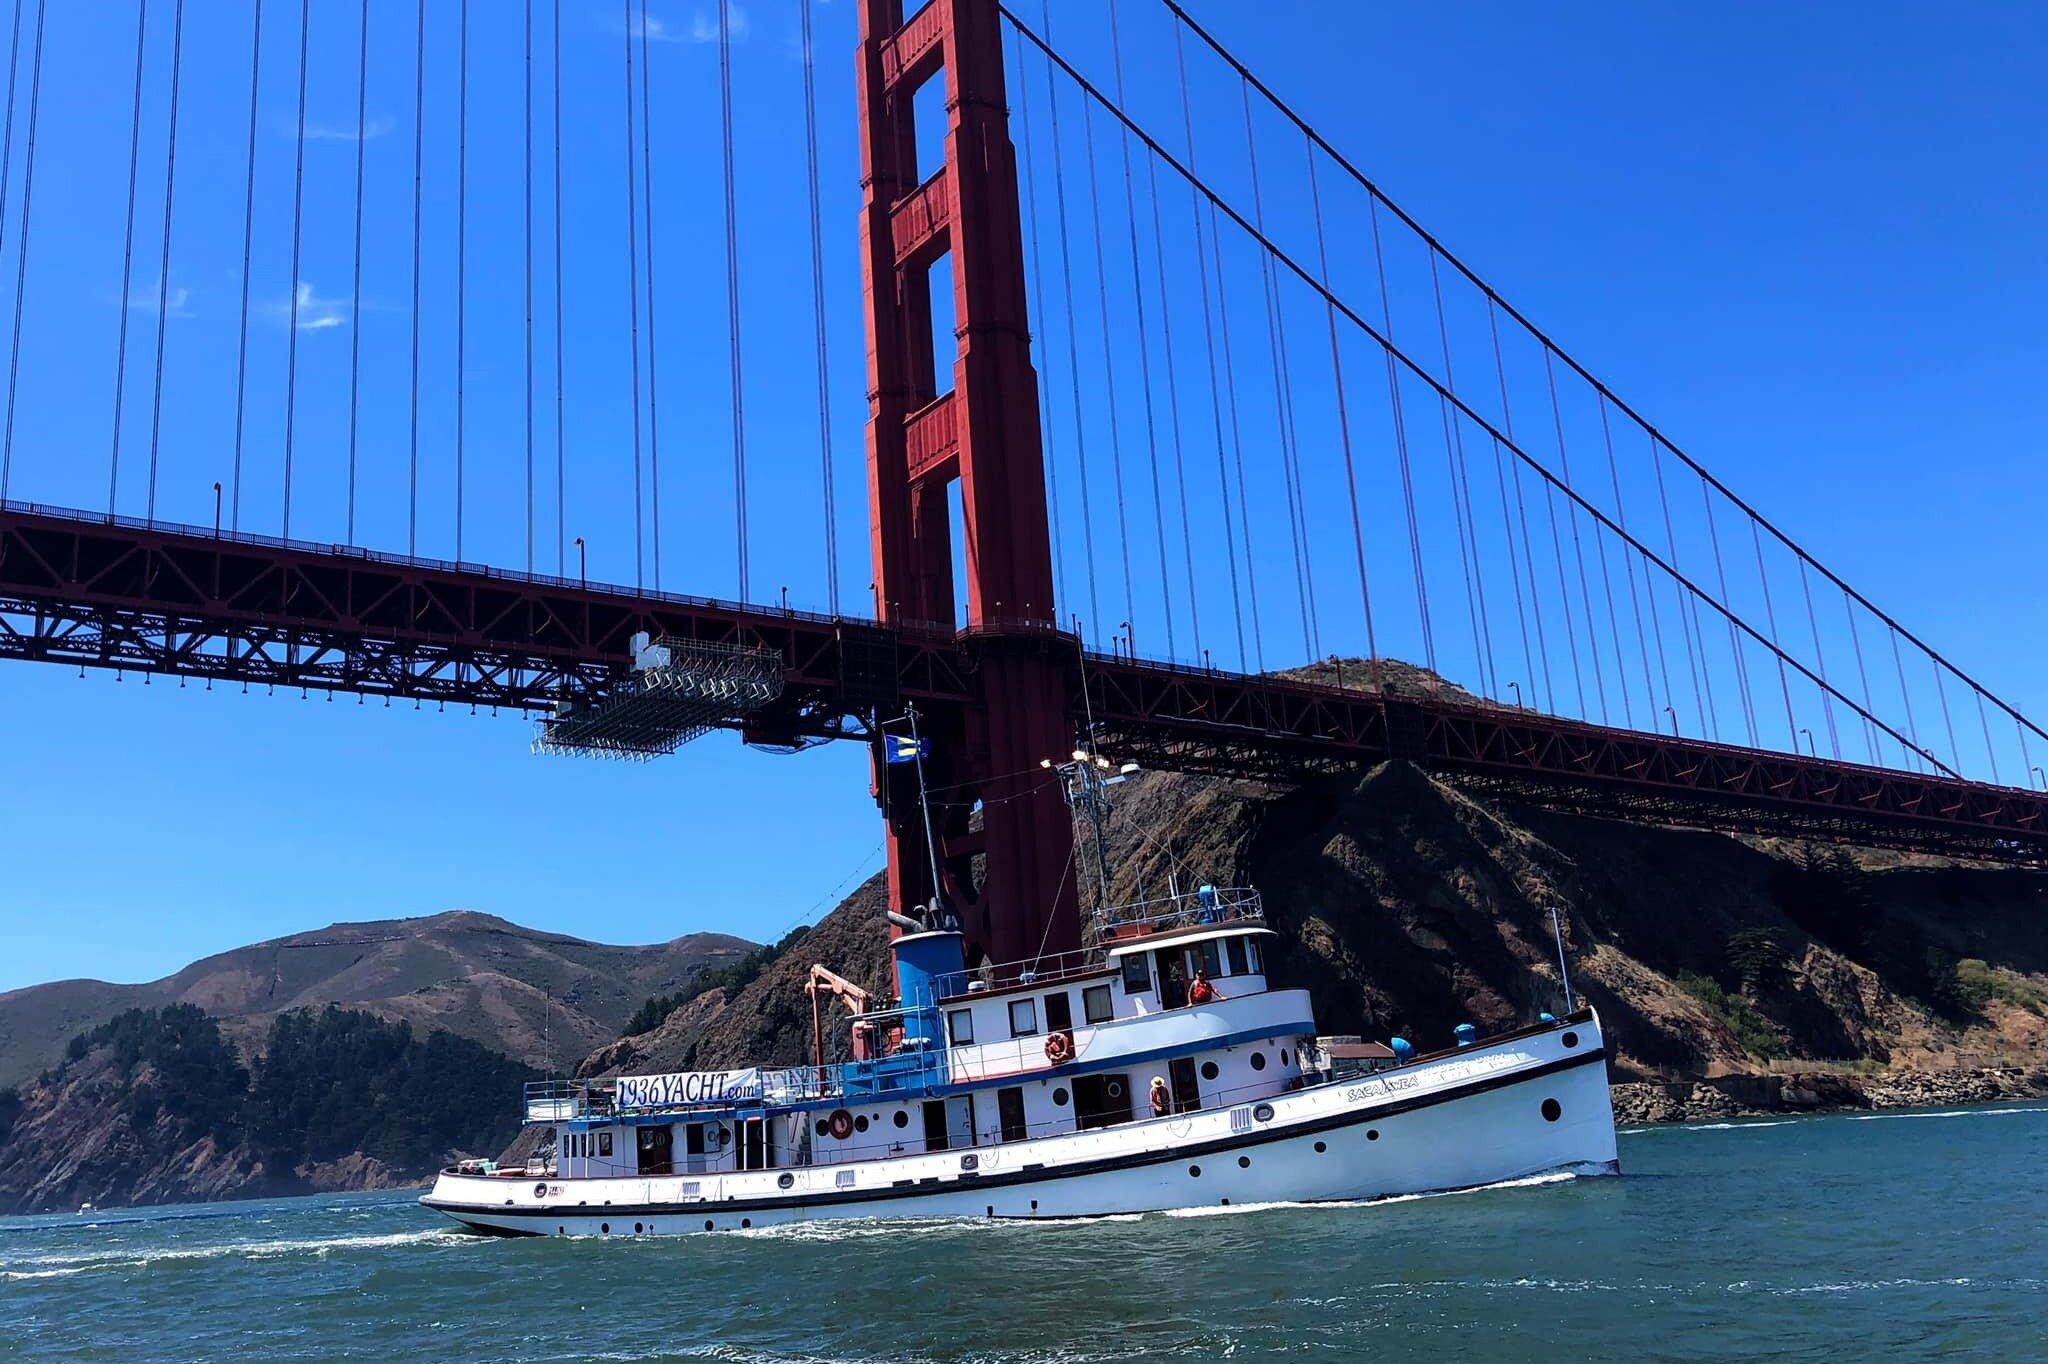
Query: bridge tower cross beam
(984, 436)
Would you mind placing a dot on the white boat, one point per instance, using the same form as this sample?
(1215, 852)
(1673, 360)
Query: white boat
(1075, 1086)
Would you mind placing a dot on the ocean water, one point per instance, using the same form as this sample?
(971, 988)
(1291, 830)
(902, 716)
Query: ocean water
(1905, 1236)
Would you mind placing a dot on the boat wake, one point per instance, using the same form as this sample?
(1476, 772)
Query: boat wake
(60, 1266)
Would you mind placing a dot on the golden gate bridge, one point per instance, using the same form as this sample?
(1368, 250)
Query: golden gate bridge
(1169, 405)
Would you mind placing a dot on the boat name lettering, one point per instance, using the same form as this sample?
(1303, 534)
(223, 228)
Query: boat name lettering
(688, 1087)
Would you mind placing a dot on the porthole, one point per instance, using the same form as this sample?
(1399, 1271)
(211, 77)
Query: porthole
(746, 1221)
(784, 1180)
(903, 1117)
(1114, 1089)
(540, 1190)
(860, 1124)
(1372, 1134)
(1264, 1112)
(707, 1224)
(1258, 1060)
(1209, 1071)
(1059, 1098)
(561, 1231)
(1283, 1056)
(1552, 1110)
(1195, 1171)
(824, 1128)
(605, 1227)
(1570, 1039)
(1244, 1162)
(638, 1228)
(1321, 1147)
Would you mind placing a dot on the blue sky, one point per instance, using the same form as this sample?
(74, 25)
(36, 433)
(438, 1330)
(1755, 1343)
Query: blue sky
(1804, 241)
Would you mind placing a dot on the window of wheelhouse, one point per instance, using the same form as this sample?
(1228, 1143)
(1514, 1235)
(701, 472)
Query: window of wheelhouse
(960, 1027)
(604, 1144)
(1233, 951)
(1096, 1005)
(1137, 974)
(1254, 957)
(1023, 1017)
(1207, 958)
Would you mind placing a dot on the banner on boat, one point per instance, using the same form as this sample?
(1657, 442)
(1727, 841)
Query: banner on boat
(686, 1087)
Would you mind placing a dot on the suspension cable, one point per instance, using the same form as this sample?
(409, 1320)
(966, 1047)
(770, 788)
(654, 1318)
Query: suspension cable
(461, 257)
(1180, 468)
(1863, 676)
(1400, 442)
(1507, 416)
(1542, 338)
(1771, 620)
(1109, 384)
(653, 367)
(1688, 619)
(1059, 182)
(561, 429)
(526, 239)
(1550, 479)
(291, 382)
(7, 137)
(1578, 553)
(355, 307)
(1052, 464)
(1187, 117)
(28, 187)
(1628, 563)
(1244, 520)
(1827, 702)
(419, 126)
(1461, 505)
(732, 289)
(1372, 648)
(633, 292)
(1144, 344)
(818, 311)
(127, 260)
(163, 284)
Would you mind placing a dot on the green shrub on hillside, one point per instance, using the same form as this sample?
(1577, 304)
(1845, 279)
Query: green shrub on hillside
(732, 979)
(1752, 1031)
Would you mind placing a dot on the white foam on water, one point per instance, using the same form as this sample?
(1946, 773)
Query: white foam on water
(1946, 1113)
(1525, 1182)
(47, 1265)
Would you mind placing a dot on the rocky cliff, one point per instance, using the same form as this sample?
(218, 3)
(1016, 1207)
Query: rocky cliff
(1734, 974)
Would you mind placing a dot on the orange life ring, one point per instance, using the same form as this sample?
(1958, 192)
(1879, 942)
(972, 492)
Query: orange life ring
(840, 1124)
(1059, 1048)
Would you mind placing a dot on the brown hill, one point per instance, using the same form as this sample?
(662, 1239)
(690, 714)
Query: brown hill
(542, 998)
(1732, 972)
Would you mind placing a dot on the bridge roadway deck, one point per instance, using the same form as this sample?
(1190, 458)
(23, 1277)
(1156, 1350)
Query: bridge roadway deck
(93, 591)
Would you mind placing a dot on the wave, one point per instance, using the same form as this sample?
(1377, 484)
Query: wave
(1949, 1113)
(47, 1266)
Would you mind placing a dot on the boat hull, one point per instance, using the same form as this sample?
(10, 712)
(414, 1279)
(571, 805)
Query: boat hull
(1524, 1106)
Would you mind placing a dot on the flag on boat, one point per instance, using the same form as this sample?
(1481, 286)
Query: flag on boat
(900, 748)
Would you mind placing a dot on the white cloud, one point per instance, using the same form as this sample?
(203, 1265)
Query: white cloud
(703, 27)
(175, 299)
(372, 128)
(315, 314)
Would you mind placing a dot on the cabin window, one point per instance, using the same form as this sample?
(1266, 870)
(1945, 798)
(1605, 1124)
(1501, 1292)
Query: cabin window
(1010, 1111)
(1059, 1012)
(604, 1144)
(1212, 959)
(1234, 949)
(1023, 1017)
(693, 1139)
(960, 1027)
(1137, 977)
(1254, 958)
(1095, 1004)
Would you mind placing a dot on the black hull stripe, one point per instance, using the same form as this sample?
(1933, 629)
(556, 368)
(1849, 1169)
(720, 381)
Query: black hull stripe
(1042, 1175)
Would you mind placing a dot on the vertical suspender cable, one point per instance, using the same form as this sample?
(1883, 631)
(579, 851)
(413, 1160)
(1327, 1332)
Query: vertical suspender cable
(127, 259)
(1955, 752)
(1827, 700)
(1283, 387)
(248, 241)
(28, 188)
(461, 256)
(1863, 675)
(419, 126)
(1628, 563)
(1461, 502)
(561, 433)
(1116, 444)
(1144, 343)
(1052, 464)
(653, 368)
(1400, 442)
(732, 292)
(1688, 613)
(1187, 118)
(1906, 697)
(1564, 460)
(163, 284)
(291, 379)
(1771, 619)
(1059, 185)
(1372, 648)
(1244, 519)
(1734, 641)
(633, 290)
(526, 169)
(818, 313)
(1522, 510)
(7, 137)
(1985, 724)
(355, 306)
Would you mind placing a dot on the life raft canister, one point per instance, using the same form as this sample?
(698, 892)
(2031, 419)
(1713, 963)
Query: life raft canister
(1059, 1048)
(840, 1124)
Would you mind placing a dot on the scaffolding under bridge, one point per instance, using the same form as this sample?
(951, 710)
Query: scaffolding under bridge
(679, 690)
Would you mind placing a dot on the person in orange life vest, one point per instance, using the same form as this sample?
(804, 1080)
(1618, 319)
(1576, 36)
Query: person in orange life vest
(1161, 1100)
(1200, 991)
